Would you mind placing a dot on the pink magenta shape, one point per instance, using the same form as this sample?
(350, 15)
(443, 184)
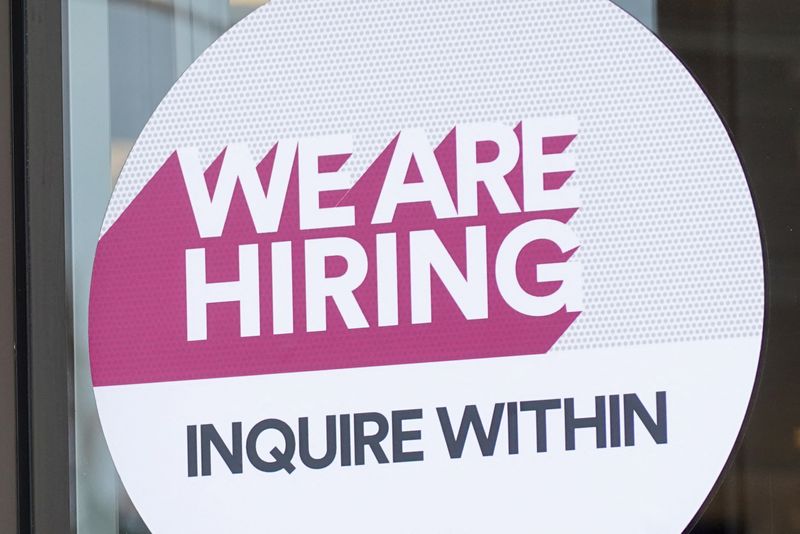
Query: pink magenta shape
(137, 312)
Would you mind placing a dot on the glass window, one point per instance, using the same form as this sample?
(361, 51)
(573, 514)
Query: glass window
(124, 55)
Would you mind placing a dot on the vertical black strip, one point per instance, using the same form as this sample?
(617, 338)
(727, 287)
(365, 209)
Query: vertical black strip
(20, 265)
(43, 315)
(8, 390)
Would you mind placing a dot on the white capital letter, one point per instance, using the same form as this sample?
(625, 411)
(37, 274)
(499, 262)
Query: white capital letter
(469, 292)
(237, 165)
(282, 288)
(535, 164)
(200, 293)
(386, 267)
(491, 173)
(319, 287)
(432, 188)
(569, 273)
(313, 182)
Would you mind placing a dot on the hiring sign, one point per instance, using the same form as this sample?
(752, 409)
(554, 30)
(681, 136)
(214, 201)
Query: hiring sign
(427, 267)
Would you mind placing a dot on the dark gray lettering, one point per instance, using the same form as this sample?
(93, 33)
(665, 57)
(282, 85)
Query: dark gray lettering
(400, 436)
(361, 440)
(541, 407)
(282, 459)
(471, 418)
(632, 405)
(232, 457)
(191, 449)
(572, 423)
(330, 444)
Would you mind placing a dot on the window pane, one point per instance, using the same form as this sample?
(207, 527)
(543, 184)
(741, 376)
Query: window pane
(124, 55)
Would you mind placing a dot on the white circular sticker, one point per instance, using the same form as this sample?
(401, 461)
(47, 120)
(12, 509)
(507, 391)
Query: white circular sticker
(453, 266)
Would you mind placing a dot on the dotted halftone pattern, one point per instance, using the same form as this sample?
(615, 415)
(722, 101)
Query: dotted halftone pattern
(670, 244)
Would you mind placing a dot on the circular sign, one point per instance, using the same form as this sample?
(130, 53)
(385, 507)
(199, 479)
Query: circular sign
(428, 267)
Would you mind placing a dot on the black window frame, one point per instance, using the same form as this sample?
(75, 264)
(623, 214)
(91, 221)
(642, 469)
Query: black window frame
(43, 324)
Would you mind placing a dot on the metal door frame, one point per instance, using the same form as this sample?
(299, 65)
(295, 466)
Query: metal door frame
(43, 326)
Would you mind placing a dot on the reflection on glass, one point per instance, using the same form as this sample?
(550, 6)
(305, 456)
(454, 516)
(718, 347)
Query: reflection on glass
(124, 55)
